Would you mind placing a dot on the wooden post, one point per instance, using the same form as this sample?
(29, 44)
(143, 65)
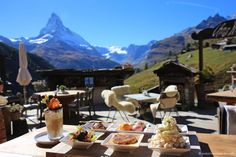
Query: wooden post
(2, 68)
(222, 30)
(200, 55)
(201, 89)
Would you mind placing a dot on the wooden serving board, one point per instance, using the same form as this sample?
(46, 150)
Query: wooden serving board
(97, 150)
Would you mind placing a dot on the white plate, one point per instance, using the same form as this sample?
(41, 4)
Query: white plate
(183, 128)
(119, 147)
(42, 138)
(89, 125)
(79, 144)
(172, 150)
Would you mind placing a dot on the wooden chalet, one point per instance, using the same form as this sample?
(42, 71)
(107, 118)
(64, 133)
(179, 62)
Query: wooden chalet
(174, 73)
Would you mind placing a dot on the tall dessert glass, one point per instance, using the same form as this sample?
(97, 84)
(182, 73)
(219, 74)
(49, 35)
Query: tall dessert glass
(54, 123)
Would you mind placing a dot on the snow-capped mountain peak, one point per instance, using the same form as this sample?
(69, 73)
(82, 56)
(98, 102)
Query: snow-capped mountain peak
(54, 25)
(55, 31)
(62, 47)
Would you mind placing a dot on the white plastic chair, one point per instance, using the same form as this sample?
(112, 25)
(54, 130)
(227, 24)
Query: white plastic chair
(166, 102)
(112, 102)
(120, 91)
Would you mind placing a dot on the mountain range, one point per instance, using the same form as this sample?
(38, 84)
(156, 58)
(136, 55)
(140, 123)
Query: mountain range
(62, 47)
(155, 51)
(174, 45)
(65, 49)
(133, 53)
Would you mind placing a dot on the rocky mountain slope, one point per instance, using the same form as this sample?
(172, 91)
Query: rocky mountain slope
(173, 45)
(62, 47)
(156, 51)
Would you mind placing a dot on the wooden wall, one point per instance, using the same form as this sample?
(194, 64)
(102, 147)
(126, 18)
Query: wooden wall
(3, 137)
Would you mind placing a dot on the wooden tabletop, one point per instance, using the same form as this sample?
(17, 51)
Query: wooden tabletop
(69, 93)
(218, 145)
(26, 144)
(228, 96)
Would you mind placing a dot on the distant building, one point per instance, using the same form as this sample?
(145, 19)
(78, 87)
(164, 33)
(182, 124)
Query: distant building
(219, 44)
(229, 47)
(99, 79)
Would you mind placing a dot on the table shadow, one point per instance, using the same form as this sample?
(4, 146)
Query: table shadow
(206, 151)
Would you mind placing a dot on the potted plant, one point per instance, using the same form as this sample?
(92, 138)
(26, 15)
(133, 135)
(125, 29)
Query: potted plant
(62, 89)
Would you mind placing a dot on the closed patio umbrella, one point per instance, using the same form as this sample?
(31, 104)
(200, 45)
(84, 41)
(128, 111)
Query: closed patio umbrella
(23, 77)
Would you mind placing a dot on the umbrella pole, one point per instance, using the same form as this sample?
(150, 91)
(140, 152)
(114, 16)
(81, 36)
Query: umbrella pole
(25, 94)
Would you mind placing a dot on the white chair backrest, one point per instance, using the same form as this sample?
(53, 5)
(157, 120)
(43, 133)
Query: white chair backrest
(111, 100)
(171, 91)
(120, 91)
(169, 97)
(109, 97)
(166, 103)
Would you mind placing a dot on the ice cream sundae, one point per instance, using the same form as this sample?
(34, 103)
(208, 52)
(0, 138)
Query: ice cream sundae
(168, 135)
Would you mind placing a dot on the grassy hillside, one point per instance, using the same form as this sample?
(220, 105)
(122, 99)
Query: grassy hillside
(218, 61)
(145, 79)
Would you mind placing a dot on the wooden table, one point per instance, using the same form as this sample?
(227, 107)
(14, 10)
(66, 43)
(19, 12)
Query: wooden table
(144, 101)
(228, 96)
(218, 145)
(25, 146)
(65, 99)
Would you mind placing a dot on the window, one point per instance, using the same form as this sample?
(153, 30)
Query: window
(88, 81)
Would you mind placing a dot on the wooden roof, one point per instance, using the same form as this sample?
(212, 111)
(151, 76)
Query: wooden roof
(175, 68)
(85, 73)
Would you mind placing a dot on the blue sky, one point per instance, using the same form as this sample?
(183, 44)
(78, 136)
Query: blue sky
(110, 22)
